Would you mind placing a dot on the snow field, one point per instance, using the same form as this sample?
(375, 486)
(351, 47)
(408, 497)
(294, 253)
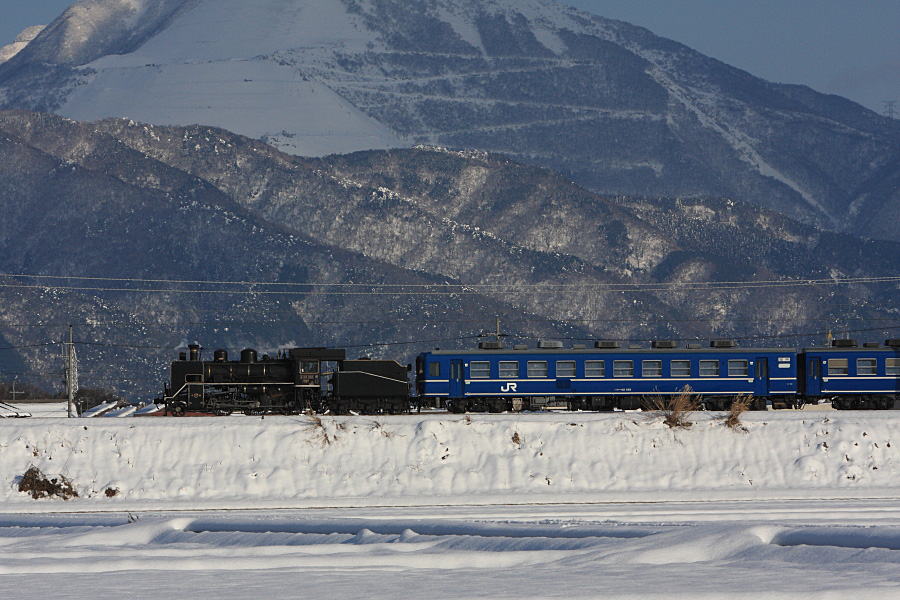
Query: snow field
(344, 554)
(244, 462)
(447, 507)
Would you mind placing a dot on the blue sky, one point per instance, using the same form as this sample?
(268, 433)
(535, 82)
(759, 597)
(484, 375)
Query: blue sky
(845, 47)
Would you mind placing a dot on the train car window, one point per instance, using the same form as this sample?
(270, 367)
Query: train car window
(537, 368)
(565, 368)
(623, 368)
(594, 368)
(434, 369)
(865, 366)
(813, 370)
(509, 369)
(651, 368)
(738, 368)
(892, 367)
(309, 366)
(837, 366)
(680, 368)
(709, 368)
(479, 369)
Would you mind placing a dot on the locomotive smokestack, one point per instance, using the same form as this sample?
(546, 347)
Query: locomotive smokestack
(195, 351)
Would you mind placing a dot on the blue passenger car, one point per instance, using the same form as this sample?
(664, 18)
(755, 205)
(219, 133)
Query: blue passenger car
(851, 377)
(602, 378)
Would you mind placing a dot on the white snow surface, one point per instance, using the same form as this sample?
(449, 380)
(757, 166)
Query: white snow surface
(99, 409)
(218, 64)
(801, 505)
(250, 66)
(245, 462)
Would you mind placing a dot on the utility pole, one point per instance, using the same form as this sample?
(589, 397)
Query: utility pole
(70, 374)
(13, 393)
(890, 108)
(497, 333)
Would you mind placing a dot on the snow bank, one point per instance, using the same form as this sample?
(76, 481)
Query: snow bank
(443, 459)
(100, 409)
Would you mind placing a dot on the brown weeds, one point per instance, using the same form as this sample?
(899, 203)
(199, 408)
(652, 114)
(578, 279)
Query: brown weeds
(37, 484)
(319, 427)
(739, 406)
(675, 410)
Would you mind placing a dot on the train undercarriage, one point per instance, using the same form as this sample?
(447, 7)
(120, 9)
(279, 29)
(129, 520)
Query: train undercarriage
(611, 403)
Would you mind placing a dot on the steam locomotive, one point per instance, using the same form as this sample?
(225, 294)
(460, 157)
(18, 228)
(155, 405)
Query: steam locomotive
(495, 379)
(297, 380)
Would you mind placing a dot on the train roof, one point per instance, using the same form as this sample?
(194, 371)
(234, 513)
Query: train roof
(591, 351)
(852, 349)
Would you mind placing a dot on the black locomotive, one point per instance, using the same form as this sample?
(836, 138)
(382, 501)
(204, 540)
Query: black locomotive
(297, 380)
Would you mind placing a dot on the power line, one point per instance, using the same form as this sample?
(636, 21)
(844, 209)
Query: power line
(428, 288)
(766, 337)
(443, 322)
(460, 290)
(29, 346)
(470, 337)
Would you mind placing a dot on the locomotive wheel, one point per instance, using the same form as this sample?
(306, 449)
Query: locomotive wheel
(178, 409)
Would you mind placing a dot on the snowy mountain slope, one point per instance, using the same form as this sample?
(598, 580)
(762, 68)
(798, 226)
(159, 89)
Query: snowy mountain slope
(106, 210)
(22, 40)
(613, 106)
(90, 29)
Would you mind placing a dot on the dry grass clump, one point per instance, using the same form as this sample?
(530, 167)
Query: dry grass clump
(675, 410)
(319, 428)
(384, 432)
(739, 406)
(517, 439)
(37, 484)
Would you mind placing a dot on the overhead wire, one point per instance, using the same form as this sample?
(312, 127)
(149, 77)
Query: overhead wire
(424, 289)
(95, 323)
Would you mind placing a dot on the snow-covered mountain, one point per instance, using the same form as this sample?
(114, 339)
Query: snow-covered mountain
(614, 107)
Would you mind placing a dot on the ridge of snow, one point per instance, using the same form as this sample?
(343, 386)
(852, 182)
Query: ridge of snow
(740, 142)
(23, 39)
(99, 410)
(303, 461)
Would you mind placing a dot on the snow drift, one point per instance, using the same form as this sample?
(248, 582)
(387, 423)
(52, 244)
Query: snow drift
(440, 459)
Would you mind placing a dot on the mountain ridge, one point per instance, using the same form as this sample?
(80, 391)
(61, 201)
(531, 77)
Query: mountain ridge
(609, 104)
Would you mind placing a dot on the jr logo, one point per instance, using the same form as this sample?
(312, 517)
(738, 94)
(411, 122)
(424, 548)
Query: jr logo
(509, 387)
